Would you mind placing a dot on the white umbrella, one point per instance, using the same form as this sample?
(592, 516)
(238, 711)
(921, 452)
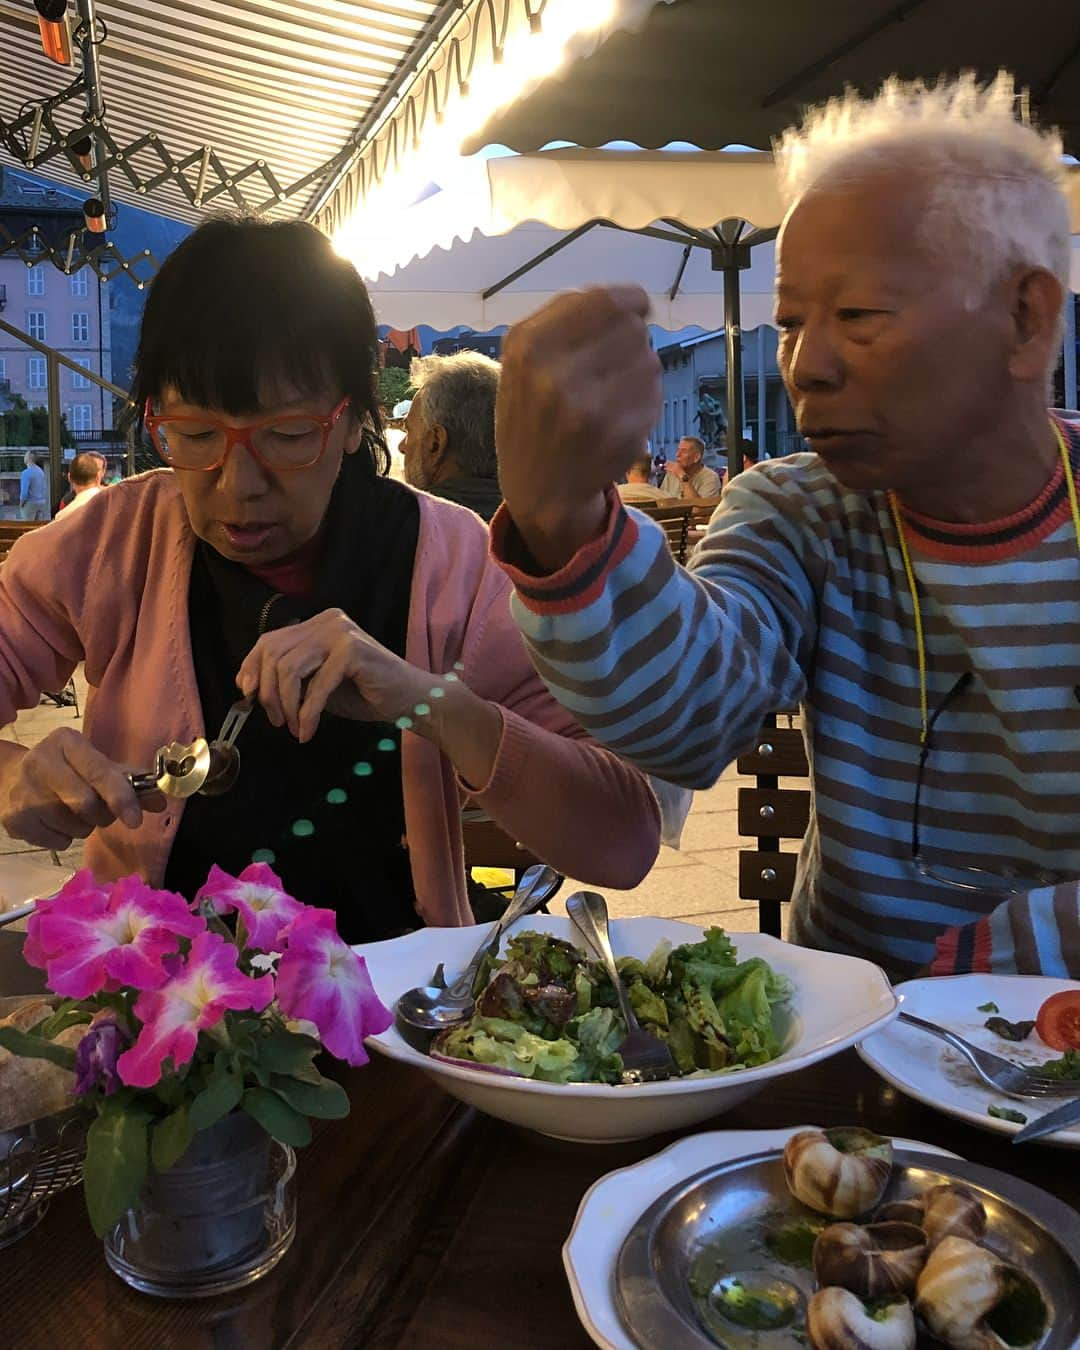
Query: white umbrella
(503, 234)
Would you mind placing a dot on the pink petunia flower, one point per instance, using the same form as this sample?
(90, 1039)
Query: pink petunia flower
(258, 896)
(91, 937)
(196, 996)
(82, 883)
(322, 980)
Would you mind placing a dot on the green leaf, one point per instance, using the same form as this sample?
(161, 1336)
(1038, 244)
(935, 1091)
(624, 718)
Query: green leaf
(1007, 1113)
(170, 1137)
(988, 1007)
(220, 1096)
(287, 1051)
(276, 1116)
(116, 1163)
(68, 1014)
(326, 1099)
(29, 1046)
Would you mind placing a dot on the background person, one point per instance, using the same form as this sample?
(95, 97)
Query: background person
(914, 582)
(688, 478)
(85, 474)
(273, 559)
(638, 486)
(33, 498)
(449, 444)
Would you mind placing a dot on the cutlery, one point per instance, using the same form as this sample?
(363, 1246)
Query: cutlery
(1061, 1118)
(181, 769)
(431, 1008)
(645, 1057)
(1014, 1080)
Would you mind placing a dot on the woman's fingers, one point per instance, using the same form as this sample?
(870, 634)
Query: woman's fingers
(333, 672)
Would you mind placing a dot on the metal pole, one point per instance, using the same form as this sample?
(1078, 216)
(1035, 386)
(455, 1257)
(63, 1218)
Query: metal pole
(761, 405)
(733, 347)
(1070, 350)
(95, 104)
(56, 460)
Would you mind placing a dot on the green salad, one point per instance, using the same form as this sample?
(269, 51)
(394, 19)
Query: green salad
(547, 1012)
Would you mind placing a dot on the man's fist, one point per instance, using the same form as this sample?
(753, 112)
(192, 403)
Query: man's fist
(579, 393)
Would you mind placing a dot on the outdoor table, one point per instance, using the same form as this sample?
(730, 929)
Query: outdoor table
(425, 1225)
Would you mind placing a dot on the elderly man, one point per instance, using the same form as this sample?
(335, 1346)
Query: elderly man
(449, 444)
(914, 582)
(638, 486)
(688, 476)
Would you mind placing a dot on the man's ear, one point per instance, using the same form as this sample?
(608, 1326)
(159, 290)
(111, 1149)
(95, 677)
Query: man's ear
(1037, 297)
(439, 446)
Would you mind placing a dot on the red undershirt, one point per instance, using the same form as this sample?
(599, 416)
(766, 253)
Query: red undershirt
(294, 575)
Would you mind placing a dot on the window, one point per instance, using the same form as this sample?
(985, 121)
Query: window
(685, 423)
(80, 381)
(35, 280)
(81, 417)
(35, 323)
(80, 283)
(3, 367)
(80, 327)
(35, 372)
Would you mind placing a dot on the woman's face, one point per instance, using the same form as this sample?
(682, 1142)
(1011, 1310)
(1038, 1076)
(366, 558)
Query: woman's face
(253, 515)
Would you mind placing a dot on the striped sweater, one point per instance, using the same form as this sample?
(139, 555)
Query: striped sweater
(797, 595)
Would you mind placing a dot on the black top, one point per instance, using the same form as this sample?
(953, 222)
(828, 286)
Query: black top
(481, 495)
(328, 816)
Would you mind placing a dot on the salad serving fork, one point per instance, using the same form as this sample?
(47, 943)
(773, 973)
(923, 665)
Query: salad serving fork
(997, 1072)
(645, 1057)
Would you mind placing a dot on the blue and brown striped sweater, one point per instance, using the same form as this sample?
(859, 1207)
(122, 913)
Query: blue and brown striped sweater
(797, 595)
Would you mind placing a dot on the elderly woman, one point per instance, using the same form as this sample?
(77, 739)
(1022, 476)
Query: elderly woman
(273, 558)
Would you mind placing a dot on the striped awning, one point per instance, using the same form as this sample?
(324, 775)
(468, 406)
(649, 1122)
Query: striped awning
(287, 82)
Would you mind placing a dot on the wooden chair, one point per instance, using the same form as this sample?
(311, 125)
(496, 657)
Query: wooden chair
(674, 520)
(487, 845)
(769, 814)
(12, 530)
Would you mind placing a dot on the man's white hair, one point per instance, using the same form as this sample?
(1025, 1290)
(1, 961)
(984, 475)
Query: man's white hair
(995, 182)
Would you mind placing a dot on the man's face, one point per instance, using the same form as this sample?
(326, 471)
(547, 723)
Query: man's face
(887, 367)
(252, 515)
(420, 447)
(688, 456)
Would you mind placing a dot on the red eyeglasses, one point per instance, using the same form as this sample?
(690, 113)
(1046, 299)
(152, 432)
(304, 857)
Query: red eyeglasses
(281, 444)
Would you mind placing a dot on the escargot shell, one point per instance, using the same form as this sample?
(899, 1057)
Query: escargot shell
(839, 1172)
(880, 1259)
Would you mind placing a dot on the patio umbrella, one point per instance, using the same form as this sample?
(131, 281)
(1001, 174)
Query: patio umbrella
(504, 234)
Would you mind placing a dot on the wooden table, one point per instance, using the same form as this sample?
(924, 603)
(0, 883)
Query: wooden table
(426, 1226)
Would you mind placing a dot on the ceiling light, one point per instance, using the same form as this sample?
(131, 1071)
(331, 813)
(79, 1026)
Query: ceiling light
(55, 30)
(94, 214)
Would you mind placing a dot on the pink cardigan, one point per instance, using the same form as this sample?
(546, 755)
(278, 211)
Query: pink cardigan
(109, 586)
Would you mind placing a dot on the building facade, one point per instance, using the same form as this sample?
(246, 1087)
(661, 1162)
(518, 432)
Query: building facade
(695, 381)
(68, 313)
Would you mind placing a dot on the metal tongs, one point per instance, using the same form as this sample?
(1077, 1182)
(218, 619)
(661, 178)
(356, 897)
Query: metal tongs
(211, 768)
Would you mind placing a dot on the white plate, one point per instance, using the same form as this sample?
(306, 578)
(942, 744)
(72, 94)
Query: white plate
(838, 1000)
(932, 1072)
(612, 1205)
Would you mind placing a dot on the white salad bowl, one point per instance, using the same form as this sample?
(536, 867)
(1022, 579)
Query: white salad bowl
(837, 1001)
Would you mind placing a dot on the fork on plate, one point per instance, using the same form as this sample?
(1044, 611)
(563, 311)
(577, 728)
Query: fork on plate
(645, 1057)
(997, 1072)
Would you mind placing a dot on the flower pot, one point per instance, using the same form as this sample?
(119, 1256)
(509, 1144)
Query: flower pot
(220, 1217)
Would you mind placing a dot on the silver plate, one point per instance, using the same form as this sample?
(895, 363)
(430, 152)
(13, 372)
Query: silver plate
(729, 1209)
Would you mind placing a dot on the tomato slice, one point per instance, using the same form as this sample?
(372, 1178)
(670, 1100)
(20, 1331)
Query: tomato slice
(1058, 1022)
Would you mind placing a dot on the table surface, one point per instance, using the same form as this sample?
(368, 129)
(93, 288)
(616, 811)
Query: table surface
(427, 1226)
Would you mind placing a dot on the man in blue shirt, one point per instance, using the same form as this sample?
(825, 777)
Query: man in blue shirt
(33, 503)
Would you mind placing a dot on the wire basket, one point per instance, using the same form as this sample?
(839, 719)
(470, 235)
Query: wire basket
(38, 1161)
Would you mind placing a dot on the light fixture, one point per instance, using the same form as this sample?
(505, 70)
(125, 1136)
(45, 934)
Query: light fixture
(83, 150)
(94, 214)
(55, 30)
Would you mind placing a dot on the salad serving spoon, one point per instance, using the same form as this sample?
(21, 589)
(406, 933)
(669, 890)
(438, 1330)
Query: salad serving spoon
(645, 1057)
(431, 1008)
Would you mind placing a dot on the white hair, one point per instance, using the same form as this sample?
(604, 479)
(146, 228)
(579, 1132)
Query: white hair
(994, 181)
(459, 396)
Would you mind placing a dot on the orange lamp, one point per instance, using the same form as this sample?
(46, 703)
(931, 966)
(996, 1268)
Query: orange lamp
(55, 30)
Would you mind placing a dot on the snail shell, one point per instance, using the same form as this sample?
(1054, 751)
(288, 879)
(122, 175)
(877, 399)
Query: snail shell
(837, 1320)
(839, 1172)
(960, 1286)
(880, 1259)
(948, 1210)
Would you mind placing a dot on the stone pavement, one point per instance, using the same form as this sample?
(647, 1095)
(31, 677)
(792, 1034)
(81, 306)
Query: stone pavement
(699, 882)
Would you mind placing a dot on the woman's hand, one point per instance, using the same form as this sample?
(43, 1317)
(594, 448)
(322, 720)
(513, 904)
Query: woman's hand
(64, 789)
(329, 664)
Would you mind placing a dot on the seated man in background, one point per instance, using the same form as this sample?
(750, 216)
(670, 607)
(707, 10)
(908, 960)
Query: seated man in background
(638, 486)
(914, 582)
(449, 444)
(688, 478)
(85, 475)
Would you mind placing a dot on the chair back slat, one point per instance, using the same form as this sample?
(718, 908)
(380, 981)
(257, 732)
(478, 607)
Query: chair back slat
(769, 814)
